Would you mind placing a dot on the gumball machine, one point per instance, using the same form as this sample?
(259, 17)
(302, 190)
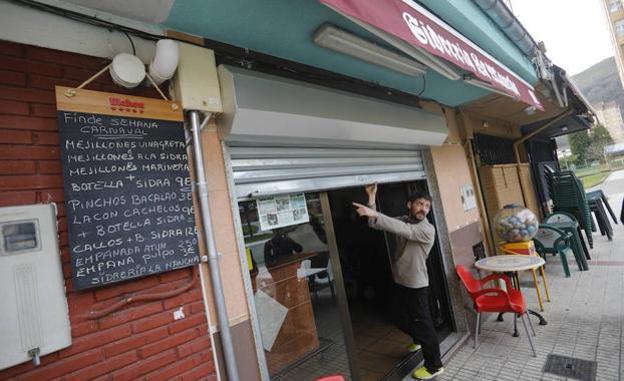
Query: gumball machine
(515, 223)
(517, 226)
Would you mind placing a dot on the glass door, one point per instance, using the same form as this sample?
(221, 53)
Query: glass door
(296, 294)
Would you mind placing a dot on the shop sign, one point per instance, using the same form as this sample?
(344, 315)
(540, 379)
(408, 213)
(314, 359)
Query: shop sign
(417, 26)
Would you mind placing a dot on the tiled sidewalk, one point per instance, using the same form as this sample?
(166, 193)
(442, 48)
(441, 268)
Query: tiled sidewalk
(585, 319)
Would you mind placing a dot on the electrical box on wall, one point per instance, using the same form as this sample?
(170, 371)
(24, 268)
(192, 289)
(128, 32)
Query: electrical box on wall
(196, 81)
(468, 198)
(34, 319)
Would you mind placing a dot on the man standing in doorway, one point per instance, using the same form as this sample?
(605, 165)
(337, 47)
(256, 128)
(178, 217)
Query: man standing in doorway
(414, 237)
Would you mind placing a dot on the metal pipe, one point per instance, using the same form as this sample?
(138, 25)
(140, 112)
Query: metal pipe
(213, 258)
(474, 174)
(517, 143)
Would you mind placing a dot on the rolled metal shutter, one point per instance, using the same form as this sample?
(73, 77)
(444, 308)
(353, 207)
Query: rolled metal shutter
(267, 170)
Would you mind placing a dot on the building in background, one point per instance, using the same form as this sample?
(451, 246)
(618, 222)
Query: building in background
(610, 115)
(614, 11)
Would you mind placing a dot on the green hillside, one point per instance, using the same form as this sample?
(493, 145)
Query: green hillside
(601, 83)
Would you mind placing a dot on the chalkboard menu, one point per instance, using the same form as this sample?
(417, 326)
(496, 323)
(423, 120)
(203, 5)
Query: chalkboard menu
(127, 186)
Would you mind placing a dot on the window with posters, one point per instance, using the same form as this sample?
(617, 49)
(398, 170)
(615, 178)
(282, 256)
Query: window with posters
(281, 211)
(296, 218)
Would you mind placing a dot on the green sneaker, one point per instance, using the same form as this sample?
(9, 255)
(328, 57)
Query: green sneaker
(423, 374)
(413, 347)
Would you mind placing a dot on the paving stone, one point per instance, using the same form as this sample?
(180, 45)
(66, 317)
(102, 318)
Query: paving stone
(585, 320)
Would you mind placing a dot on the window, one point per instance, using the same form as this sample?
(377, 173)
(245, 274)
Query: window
(19, 237)
(309, 235)
(619, 28)
(615, 5)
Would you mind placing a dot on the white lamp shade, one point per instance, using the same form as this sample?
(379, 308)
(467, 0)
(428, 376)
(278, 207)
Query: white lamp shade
(165, 61)
(127, 70)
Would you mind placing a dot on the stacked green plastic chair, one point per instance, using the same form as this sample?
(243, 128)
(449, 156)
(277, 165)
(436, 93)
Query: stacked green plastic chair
(550, 240)
(568, 195)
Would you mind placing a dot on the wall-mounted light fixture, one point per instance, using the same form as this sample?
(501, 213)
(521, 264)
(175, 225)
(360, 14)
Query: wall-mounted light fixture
(432, 62)
(165, 61)
(127, 70)
(338, 40)
(484, 85)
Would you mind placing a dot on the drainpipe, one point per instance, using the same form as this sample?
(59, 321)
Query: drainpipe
(555, 88)
(498, 12)
(474, 174)
(529, 136)
(209, 241)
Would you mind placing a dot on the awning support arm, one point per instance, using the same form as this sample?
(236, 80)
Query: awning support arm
(517, 143)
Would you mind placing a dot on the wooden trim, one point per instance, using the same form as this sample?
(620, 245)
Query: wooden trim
(190, 38)
(97, 102)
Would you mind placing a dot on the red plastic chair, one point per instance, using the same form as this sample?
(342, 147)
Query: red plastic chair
(332, 378)
(495, 299)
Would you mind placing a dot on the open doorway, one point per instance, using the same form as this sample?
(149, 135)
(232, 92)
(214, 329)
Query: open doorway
(366, 259)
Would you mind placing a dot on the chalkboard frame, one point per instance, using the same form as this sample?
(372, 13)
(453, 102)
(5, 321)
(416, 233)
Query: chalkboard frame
(155, 130)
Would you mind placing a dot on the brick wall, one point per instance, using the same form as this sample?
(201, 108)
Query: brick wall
(139, 341)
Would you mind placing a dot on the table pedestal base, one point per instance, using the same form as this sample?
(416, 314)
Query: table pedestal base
(542, 321)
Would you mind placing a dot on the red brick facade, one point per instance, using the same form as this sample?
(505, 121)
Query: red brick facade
(140, 340)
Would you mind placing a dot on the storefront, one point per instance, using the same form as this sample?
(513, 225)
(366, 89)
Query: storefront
(307, 285)
(320, 278)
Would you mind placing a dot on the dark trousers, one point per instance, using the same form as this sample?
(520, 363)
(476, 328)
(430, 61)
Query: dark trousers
(415, 320)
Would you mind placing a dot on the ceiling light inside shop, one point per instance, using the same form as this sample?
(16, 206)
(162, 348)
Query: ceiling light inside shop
(344, 42)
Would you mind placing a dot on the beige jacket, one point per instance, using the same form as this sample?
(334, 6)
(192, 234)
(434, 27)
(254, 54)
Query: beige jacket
(413, 244)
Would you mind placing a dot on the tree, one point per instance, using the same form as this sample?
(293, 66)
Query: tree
(599, 139)
(567, 161)
(589, 145)
(579, 144)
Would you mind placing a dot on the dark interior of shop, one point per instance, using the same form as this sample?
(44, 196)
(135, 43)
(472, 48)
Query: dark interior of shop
(381, 348)
(318, 342)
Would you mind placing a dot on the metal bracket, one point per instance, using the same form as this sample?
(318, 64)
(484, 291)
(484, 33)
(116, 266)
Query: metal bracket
(34, 353)
(204, 122)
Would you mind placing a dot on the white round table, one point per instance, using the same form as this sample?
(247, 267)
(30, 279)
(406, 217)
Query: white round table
(509, 263)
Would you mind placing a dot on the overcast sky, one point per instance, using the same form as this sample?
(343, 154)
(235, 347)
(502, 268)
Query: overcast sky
(575, 31)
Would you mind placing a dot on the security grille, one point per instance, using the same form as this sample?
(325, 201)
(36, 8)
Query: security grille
(265, 170)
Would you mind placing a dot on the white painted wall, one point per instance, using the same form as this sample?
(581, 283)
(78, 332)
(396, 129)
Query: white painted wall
(33, 27)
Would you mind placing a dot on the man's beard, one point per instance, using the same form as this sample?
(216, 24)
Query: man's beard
(418, 216)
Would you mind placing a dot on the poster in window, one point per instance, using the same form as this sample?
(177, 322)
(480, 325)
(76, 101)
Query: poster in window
(280, 211)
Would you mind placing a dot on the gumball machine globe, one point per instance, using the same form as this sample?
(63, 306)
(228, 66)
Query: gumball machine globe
(515, 223)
